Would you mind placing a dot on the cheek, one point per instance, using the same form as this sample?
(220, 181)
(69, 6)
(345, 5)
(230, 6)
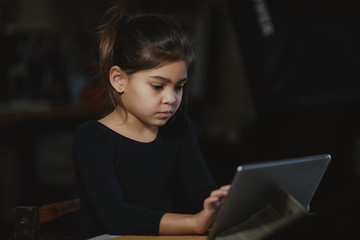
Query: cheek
(148, 102)
(139, 101)
(179, 99)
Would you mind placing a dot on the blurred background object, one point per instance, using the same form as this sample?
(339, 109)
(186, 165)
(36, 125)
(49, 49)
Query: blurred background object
(276, 79)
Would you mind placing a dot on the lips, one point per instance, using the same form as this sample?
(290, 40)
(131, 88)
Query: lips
(165, 114)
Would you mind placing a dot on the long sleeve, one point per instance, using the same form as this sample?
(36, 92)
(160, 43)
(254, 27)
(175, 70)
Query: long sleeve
(93, 160)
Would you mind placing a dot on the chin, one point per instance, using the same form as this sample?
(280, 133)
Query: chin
(161, 122)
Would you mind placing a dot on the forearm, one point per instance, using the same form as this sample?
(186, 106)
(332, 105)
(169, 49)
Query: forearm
(176, 224)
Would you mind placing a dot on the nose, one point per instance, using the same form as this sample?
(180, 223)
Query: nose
(170, 97)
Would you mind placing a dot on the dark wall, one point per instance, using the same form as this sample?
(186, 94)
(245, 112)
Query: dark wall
(279, 79)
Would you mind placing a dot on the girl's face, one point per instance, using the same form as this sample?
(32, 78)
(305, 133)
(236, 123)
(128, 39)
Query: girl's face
(152, 96)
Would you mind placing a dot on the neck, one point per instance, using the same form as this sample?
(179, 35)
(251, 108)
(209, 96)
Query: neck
(131, 127)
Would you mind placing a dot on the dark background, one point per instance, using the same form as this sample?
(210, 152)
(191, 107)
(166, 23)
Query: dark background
(276, 79)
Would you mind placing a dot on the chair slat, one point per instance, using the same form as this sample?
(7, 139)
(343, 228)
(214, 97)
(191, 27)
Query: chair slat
(28, 220)
(49, 212)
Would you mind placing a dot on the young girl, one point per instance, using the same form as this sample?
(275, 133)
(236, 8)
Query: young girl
(127, 161)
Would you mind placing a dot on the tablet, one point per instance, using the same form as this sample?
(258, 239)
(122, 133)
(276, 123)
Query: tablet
(254, 185)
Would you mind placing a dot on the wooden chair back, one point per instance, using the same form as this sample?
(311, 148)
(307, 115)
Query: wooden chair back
(47, 221)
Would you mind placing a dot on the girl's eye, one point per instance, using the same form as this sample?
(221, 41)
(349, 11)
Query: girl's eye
(157, 87)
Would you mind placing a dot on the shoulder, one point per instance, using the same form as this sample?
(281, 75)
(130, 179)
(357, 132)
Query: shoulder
(89, 127)
(91, 131)
(92, 138)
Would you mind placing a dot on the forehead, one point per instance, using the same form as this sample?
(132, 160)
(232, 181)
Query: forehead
(173, 71)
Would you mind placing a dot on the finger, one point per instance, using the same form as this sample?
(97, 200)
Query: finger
(219, 193)
(212, 202)
(225, 187)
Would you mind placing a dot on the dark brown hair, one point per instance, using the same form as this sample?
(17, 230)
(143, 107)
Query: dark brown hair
(140, 42)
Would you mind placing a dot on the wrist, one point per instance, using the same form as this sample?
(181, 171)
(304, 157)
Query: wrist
(201, 222)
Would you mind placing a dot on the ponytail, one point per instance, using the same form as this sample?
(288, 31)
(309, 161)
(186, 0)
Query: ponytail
(106, 35)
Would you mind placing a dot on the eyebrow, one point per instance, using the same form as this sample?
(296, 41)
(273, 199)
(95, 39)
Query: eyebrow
(168, 80)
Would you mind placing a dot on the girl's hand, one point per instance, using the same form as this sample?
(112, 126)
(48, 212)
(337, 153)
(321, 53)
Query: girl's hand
(174, 224)
(202, 220)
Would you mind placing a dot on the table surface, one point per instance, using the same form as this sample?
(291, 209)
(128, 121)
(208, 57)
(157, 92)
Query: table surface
(183, 237)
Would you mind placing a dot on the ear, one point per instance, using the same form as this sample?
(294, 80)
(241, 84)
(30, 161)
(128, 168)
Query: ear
(117, 78)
